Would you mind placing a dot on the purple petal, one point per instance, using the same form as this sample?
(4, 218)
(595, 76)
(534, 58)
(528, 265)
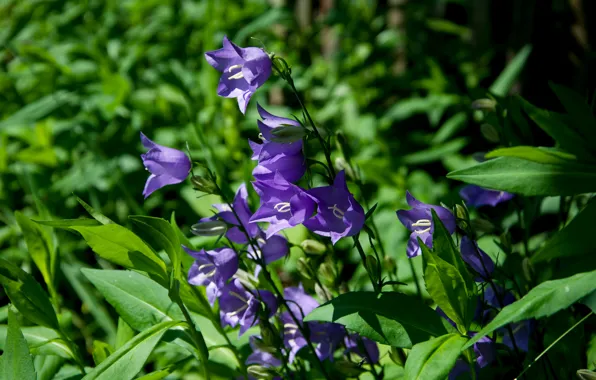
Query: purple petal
(476, 258)
(274, 248)
(300, 303)
(157, 182)
(223, 58)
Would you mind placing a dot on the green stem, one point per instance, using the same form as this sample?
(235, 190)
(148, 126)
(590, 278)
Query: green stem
(555, 342)
(197, 339)
(74, 349)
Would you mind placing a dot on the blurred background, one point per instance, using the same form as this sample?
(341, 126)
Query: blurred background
(80, 79)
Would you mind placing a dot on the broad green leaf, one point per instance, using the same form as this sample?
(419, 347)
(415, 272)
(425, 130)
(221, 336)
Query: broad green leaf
(432, 360)
(101, 351)
(445, 248)
(507, 78)
(377, 317)
(126, 362)
(573, 240)
(40, 247)
(124, 333)
(590, 301)
(41, 341)
(534, 154)
(27, 295)
(81, 286)
(580, 112)
(17, 363)
(544, 300)
(101, 218)
(140, 301)
(558, 127)
(120, 246)
(529, 178)
(160, 235)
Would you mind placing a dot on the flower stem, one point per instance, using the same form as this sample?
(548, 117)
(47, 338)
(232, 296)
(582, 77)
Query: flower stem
(197, 338)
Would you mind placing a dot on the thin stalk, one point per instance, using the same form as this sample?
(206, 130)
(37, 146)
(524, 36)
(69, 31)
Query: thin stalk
(197, 338)
(75, 350)
(555, 342)
(363, 257)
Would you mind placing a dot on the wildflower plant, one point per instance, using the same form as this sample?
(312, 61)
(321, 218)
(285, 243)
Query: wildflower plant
(468, 318)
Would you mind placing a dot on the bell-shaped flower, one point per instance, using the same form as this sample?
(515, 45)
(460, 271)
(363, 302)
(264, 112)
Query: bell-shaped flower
(286, 159)
(212, 269)
(241, 209)
(243, 70)
(167, 166)
(479, 196)
(476, 258)
(261, 357)
(270, 250)
(239, 306)
(338, 213)
(363, 347)
(283, 204)
(419, 220)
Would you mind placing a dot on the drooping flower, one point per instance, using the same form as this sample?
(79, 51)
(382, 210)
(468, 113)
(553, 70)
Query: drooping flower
(260, 357)
(478, 196)
(212, 269)
(338, 213)
(167, 166)
(243, 70)
(419, 220)
(241, 208)
(283, 204)
(239, 306)
(363, 347)
(286, 159)
(476, 258)
(270, 250)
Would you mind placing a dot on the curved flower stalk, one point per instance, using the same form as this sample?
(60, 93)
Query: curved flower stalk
(167, 166)
(419, 220)
(243, 70)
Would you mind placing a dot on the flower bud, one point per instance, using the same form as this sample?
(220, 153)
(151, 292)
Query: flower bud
(482, 225)
(484, 105)
(463, 218)
(505, 241)
(323, 292)
(341, 164)
(262, 346)
(490, 133)
(586, 374)
(327, 273)
(348, 369)
(270, 336)
(261, 372)
(286, 134)
(390, 264)
(203, 184)
(303, 267)
(210, 228)
(397, 356)
(313, 247)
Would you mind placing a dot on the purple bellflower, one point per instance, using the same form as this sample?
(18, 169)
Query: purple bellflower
(239, 306)
(212, 269)
(273, 157)
(283, 204)
(270, 250)
(167, 166)
(258, 356)
(338, 213)
(521, 330)
(243, 70)
(478, 196)
(419, 220)
(355, 343)
(240, 205)
(476, 258)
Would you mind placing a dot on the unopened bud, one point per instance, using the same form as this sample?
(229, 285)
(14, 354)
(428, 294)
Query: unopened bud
(586, 374)
(261, 372)
(270, 336)
(484, 105)
(209, 228)
(372, 265)
(348, 369)
(286, 134)
(527, 269)
(505, 241)
(262, 346)
(323, 292)
(327, 273)
(482, 225)
(203, 184)
(390, 264)
(303, 267)
(341, 164)
(397, 356)
(313, 247)
(490, 133)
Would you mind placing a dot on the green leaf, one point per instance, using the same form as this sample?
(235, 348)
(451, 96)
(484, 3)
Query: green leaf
(375, 316)
(534, 154)
(35, 111)
(544, 300)
(101, 351)
(41, 341)
(27, 295)
(507, 78)
(47, 366)
(17, 363)
(580, 112)
(529, 178)
(124, 333)
(160, 235)
(557, 127)
(435, 153)
(40, 247)
(140, 301)
(120, 246)
(161, 373)
(67, 223)
(445, 248)
(450, 128)
(435, 358)
(573, 240)
(127, 361)
(101, 218)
